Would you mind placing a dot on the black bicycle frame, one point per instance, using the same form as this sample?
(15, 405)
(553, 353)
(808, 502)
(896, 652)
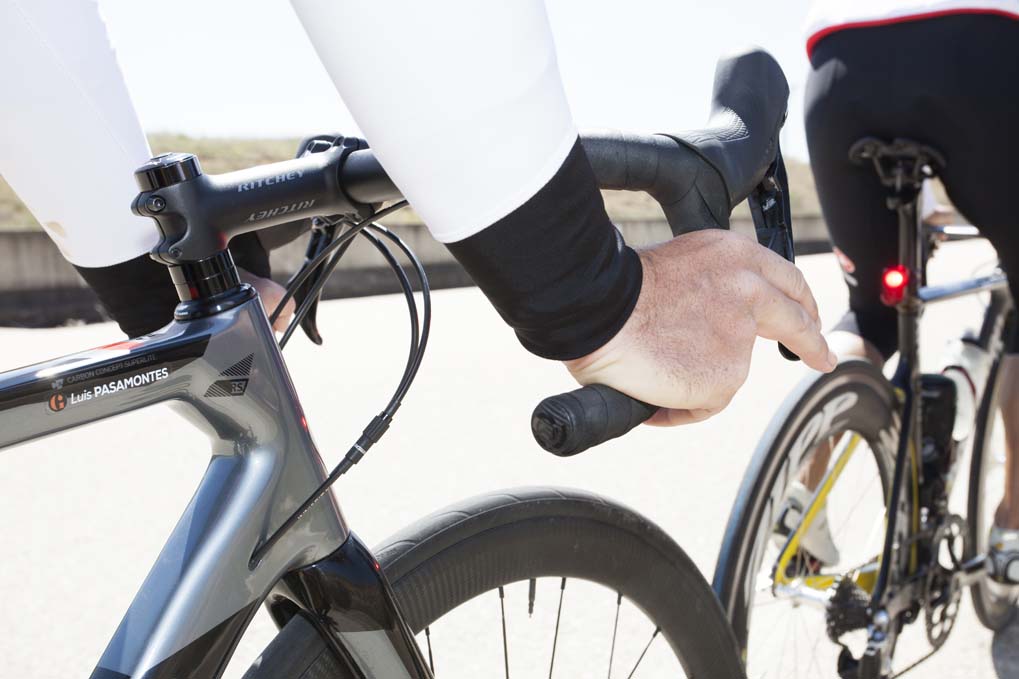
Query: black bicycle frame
(895, 590)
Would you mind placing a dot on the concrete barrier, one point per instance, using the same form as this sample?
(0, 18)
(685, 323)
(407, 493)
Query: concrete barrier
(38, 288)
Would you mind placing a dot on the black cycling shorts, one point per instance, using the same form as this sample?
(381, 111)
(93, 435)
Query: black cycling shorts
(949, 82)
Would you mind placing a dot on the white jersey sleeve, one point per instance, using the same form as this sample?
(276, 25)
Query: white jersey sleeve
(461, 100)
(64, 108)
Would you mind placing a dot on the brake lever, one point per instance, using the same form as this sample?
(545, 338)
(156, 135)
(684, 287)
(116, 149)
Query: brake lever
(323, 233)
(772, 215)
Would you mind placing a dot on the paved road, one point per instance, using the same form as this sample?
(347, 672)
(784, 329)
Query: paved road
(84, 513)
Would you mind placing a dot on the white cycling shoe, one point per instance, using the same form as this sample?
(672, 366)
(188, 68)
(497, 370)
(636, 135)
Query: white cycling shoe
(817, 541)
(1003, 556)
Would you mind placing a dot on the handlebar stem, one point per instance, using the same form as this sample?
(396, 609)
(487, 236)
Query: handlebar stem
(197, 214)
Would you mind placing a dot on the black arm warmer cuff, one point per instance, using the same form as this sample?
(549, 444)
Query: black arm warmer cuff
(139, 295)
(556, 269)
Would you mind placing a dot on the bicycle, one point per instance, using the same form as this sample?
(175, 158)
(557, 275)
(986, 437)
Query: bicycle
(892, 453)
(263, 527)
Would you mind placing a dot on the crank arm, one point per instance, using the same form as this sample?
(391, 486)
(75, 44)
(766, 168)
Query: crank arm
(971, 572)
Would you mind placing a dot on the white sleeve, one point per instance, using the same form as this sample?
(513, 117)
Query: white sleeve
(461, 100)
(69, 136)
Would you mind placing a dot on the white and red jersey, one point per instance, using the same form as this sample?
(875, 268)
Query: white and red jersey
(829, 16)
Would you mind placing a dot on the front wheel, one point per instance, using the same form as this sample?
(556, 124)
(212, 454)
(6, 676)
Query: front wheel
(538, 582)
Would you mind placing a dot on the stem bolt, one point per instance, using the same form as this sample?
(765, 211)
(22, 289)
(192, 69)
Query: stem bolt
(155, 204)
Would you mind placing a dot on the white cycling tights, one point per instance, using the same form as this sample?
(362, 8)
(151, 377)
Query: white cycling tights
(69, 137)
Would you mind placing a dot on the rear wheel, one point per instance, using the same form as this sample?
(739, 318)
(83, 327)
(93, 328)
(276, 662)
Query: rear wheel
(841, 426)
(538, 581)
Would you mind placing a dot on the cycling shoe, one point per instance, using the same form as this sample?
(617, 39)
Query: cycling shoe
(817, 542)
(1003, 556)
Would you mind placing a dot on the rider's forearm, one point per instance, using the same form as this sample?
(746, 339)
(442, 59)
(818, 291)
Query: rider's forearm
(464, 107)
(556, 268)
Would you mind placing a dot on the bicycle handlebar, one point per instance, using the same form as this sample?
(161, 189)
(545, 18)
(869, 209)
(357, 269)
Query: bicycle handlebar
(570, 423)
(693, 195)
(697, 178)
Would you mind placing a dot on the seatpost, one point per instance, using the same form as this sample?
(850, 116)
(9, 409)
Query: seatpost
(903, 200)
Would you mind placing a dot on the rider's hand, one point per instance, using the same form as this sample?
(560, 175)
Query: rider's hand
(270, 292)
(705, 297)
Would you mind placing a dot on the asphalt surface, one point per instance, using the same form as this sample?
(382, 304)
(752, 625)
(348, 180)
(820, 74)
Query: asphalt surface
(84, 513)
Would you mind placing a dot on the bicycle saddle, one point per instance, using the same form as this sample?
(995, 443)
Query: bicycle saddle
(915, 161)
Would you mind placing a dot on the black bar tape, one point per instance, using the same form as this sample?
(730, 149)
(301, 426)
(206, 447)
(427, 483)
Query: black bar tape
(571, 423)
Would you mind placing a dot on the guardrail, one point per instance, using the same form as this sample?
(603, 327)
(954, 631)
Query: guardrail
(38, 288)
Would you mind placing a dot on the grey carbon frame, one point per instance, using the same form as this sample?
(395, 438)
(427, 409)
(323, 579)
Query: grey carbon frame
(229, 379)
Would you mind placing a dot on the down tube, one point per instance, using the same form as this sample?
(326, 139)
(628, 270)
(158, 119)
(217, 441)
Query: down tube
(201, 593)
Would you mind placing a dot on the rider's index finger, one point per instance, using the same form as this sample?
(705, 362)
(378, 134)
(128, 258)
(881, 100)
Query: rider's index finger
(784, 319)
(785, 276)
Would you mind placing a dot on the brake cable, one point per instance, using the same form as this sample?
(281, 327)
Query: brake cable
(419, 341)
(311, 266)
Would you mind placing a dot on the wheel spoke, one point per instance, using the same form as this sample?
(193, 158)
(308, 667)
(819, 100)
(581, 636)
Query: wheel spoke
(505, 644)
(615, 628)
(532, 586)
(428, 640)
(644, 652)
(559, 615)
(852, 511)
(796, 646)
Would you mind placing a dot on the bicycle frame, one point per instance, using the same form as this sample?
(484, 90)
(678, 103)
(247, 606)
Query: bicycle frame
(227, 375)
(893, 587)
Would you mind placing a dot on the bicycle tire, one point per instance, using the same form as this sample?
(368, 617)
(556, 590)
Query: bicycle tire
(492, 540)
(991, 610)
(873, 415)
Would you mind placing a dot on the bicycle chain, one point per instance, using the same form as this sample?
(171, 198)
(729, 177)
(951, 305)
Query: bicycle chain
(915, 664)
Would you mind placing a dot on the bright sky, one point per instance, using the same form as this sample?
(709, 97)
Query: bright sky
(245, 68)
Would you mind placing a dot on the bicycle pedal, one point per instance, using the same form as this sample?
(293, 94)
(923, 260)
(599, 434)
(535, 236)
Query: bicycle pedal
(803, 565)
(847, 666)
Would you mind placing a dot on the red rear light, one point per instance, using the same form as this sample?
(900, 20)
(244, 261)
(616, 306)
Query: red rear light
(894, 281)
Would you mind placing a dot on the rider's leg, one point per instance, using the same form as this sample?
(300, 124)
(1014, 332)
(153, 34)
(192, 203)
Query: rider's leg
(1007, 516)
(862, 228)
(980, 180)
(65, 103)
